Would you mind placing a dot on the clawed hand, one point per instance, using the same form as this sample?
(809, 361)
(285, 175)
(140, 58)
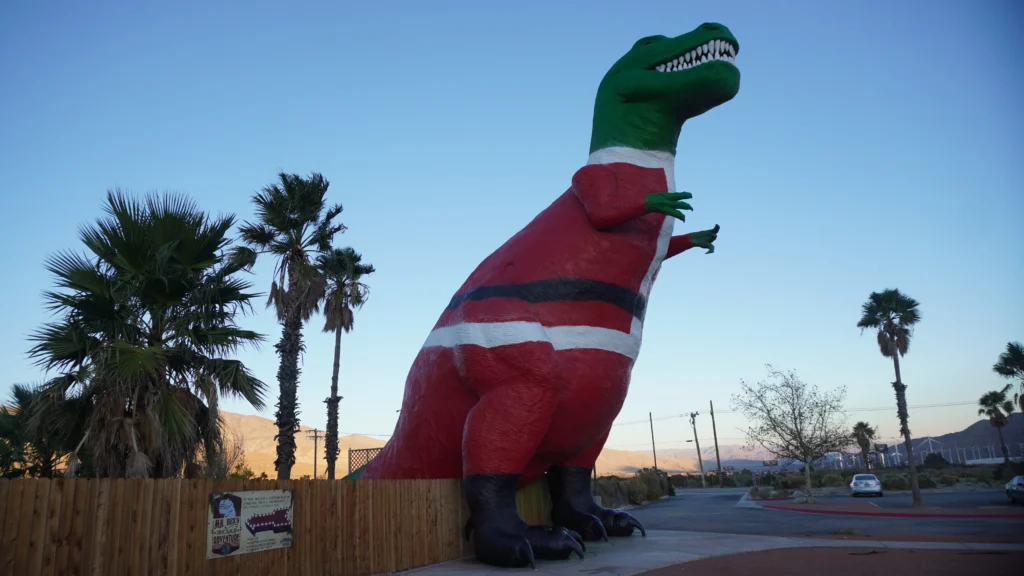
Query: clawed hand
(704, 239)
(668, 203)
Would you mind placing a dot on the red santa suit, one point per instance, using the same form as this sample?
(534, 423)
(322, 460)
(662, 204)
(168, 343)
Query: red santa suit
(530, 362)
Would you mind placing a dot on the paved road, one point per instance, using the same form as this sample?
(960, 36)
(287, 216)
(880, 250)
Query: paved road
(714, 510)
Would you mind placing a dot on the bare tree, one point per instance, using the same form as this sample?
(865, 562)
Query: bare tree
(792, 420)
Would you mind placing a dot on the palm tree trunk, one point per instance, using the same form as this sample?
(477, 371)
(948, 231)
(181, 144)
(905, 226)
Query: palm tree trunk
(331, 440)
(867, 461)
(1007, 472)
(288, 349)
(901, 409)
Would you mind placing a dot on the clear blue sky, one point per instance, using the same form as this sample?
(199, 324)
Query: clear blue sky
(872, 144)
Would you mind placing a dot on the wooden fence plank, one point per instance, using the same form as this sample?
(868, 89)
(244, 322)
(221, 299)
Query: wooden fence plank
(24, 535)
(96, 526)
(11, 525)
(350, 532)
(185, 567)
(51, 529)
(62, 541)
(135, 527)
(159, 528)
(5, 486)
(170, 551)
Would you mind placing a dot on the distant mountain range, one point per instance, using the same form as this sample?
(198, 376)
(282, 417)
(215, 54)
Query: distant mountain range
(260, 449)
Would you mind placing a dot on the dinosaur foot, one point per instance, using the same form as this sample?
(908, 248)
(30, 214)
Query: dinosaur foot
(573, 507)
(618, 523)
(498, 545)
(500, 537)
(598, 523)
(522, 545)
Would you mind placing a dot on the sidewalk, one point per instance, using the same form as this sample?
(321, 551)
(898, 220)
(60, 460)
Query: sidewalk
(661, 548)
(871, 509)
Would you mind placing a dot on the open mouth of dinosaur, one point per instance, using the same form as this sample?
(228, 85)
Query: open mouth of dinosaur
(709, 52)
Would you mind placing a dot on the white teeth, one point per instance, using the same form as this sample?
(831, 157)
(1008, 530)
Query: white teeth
(712, 50)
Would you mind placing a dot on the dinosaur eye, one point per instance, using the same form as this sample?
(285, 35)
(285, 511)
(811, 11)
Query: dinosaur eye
(647, 41)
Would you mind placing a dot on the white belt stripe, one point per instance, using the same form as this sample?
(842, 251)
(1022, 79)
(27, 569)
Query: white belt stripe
(494, 334)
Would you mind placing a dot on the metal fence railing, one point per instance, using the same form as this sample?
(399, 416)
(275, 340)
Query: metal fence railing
(359, 457)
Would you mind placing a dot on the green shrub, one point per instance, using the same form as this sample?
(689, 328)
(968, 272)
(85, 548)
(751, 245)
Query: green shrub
(948, 480)
(935, 461)
(1001, 474)
(895, 482)
(925, 481)
(793, 483)
(614, 491)
(637, 491)
(652, 484)
(833, 481)
(980, 474)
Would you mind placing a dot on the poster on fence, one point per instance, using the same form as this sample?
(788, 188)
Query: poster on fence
(243, 522)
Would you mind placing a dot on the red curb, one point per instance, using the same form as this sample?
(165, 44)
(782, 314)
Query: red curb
(898, 514)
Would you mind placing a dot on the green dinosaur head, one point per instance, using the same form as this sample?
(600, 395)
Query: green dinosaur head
(661, 82)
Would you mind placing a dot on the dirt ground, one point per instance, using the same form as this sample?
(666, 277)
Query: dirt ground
(848, 562)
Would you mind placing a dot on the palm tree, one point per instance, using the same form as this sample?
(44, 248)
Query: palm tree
(294, 223)
(1011, 365)
(30, 445)
(145, 319)
(894, 314)
(997, 408)
(863, 434)
(342, 268)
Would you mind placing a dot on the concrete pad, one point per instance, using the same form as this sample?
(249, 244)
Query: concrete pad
(629, 556)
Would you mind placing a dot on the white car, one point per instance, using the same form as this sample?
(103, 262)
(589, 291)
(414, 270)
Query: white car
(865, 484)
(1015, 489)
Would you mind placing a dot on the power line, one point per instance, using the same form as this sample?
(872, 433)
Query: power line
(674, 441)
(340, 434)
(878, 409)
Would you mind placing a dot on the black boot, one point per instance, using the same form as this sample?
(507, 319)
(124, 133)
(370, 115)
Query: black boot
(573, 506)
(500, 536)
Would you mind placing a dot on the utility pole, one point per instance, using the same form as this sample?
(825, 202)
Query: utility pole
(653, 450)
(714, 431)
(693, 423)
(315, 435)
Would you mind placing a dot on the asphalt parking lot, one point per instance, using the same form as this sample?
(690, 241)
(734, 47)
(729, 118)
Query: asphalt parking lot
(715, 510)
(939, 499)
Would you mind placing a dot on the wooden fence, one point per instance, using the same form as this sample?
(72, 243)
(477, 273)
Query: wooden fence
(119, 527)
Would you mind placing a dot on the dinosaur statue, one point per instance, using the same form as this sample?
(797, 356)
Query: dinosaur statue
(530, 362)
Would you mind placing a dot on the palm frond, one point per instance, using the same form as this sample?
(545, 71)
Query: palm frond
(1011, 362)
